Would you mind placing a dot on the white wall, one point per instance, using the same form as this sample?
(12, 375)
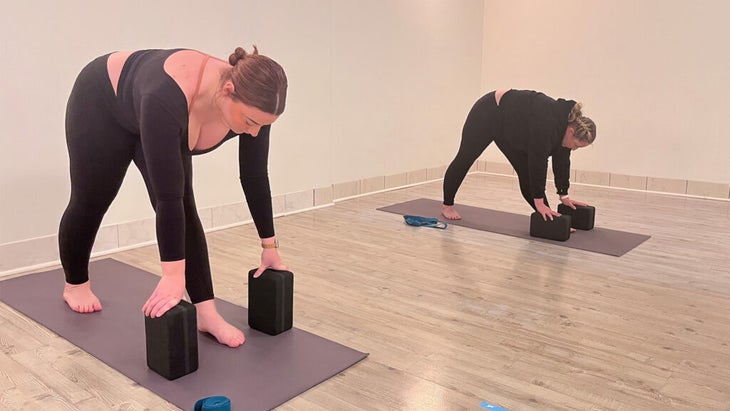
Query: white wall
(45, 45)
(376, 88)
(653, 74)
(403, 84)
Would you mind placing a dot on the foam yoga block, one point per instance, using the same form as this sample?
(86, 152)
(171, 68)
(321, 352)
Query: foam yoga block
(172, 341)
(556, 229)
(270, 301)
(581, 218)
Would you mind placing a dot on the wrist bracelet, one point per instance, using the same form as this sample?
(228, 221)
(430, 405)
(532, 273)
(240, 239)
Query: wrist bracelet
(563, 197)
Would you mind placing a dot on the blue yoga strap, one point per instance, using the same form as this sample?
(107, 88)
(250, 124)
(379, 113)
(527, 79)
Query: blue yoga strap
(418, 221)
(216, 403)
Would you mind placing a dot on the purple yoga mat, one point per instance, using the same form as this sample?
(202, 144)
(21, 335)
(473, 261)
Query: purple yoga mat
(260, 375)
(599, 240)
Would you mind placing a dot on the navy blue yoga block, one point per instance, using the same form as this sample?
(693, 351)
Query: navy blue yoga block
(556, 229)
(172, 341)
(582, 218)
(271, 301)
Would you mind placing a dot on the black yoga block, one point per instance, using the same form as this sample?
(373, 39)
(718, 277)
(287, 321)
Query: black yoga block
(271, 301)
(557, 229)
(581, 218)
(172, 341)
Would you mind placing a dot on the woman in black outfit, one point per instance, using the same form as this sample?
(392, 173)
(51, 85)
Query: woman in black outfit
(158, 108)
(528, 127)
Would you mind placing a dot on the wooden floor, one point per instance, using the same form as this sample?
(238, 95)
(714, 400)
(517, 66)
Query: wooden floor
(458, 317)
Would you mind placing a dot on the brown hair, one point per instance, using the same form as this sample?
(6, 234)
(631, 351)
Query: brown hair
(259, 81)
(585, 128)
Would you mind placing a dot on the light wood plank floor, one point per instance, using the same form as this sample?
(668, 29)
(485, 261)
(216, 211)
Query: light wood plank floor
(455, 317)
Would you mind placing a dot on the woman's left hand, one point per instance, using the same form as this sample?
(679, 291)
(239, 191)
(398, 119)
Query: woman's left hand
(270, 259)
(572, 203)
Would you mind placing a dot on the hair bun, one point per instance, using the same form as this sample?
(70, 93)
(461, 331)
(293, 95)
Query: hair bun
(575, 112)
(239, 54)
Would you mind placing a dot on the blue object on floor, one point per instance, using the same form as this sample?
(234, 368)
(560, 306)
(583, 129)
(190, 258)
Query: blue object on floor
(215, 403)
(418, 221)
(487, 406)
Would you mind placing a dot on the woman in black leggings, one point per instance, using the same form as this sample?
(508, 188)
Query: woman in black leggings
(528, 127)
(158, 108)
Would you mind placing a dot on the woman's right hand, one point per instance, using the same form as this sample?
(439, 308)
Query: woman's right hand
(169, 290)
(544, 210)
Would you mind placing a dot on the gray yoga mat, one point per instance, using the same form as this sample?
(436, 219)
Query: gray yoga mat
(260, 375)
(599, 240)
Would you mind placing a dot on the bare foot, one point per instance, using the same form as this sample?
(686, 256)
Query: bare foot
(209, 321)
(450, 212)
(80, 298)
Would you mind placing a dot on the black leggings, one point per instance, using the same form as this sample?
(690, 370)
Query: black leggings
(484, 125)
(100, 150)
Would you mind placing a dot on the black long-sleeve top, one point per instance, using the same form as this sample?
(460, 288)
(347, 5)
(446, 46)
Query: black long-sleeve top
(535, 123)
(152, 105)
